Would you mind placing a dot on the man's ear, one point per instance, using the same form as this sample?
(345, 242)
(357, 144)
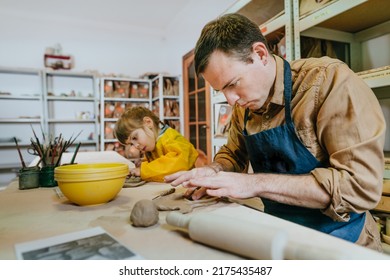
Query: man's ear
(260, 49)
(148, 122)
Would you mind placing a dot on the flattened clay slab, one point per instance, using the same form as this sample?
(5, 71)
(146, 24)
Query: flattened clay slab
(176, 201)
(133, 181)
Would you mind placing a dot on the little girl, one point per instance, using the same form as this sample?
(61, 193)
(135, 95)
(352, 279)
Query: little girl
(165, 149)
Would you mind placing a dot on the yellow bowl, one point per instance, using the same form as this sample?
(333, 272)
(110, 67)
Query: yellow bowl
(99, 183)
(91, 168)
(90, 177)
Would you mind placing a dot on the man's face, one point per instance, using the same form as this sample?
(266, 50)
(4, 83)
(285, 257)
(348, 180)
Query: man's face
(245, 84)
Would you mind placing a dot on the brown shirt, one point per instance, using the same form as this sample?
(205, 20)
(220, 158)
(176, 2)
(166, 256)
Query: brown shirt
(338, 118)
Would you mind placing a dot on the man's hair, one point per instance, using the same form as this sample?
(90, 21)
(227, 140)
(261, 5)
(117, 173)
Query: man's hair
(232, 34)
(131, 120)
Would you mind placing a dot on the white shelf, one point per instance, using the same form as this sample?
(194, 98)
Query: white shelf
(275, 20)
(109, 100)
(70, 74)
(111, 119)
(20, 97)
(377, 77)
(342, 21)
(274, 24)
(71, 121)
(119, 99)
(86, 142)
(110, 140)
(236, 6)
(331, 10)
(10, 166)
(70, 98)
(67, 96)
(21, 107)
(12, 144)
(172, 118)
(160, 86)
(20, 71)
(171, 97)
(20, 120)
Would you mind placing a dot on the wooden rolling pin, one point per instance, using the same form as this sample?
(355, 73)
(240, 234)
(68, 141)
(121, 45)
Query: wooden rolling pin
(257, 241)
(232, 235)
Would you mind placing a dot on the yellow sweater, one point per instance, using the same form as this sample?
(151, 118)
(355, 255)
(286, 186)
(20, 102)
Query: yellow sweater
(173, 152)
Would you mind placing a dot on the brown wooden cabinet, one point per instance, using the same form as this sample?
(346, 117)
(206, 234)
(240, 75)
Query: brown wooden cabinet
(197, 110)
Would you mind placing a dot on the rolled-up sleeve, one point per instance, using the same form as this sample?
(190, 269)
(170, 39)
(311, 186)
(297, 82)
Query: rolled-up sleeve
(351, 128)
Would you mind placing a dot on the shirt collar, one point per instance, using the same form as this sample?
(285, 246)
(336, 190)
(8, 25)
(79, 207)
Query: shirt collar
(278, 89)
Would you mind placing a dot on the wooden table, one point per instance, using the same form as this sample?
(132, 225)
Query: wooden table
(27, 215)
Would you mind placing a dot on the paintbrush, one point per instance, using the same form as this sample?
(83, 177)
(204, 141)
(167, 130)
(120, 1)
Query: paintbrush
(62, 150)
(70, 141)
(75, 153)
(20, 154)
(53, 153)
(39, 149)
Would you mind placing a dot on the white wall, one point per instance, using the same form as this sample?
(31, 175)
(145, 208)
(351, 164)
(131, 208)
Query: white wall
(102, 46)
(375, 52)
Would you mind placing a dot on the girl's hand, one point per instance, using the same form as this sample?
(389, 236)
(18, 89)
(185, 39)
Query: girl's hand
(135, 172)
(138, 162)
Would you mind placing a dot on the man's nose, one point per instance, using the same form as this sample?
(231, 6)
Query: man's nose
(231, 98)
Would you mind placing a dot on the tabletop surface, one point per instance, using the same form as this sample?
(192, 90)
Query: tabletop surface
(27, 215)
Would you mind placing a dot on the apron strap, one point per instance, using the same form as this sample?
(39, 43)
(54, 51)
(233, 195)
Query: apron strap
(245, 120)
(287, 92)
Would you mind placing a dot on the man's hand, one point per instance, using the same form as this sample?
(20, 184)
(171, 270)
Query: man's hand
(183, 178)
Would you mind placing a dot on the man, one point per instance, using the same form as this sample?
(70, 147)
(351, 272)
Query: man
(313, 132)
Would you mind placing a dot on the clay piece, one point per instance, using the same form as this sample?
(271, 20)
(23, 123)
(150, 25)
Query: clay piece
(133, 181)
(144, 214)
(164, 193)
(177, 201)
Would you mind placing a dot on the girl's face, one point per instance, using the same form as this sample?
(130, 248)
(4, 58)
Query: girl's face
(143, 139)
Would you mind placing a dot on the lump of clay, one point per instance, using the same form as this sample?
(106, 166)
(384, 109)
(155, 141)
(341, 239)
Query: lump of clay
(144, 214)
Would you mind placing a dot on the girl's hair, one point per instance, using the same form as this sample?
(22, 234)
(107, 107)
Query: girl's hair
(131, 120)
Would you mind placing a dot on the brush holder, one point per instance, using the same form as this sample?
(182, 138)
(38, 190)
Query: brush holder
(29, 178)
(46, 176)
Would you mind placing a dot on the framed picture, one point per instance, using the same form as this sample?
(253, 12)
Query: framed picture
(223, 124)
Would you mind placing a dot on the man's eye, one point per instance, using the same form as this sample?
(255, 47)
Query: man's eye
(236, 83)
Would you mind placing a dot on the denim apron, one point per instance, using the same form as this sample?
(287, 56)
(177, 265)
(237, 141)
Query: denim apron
(279, 150)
